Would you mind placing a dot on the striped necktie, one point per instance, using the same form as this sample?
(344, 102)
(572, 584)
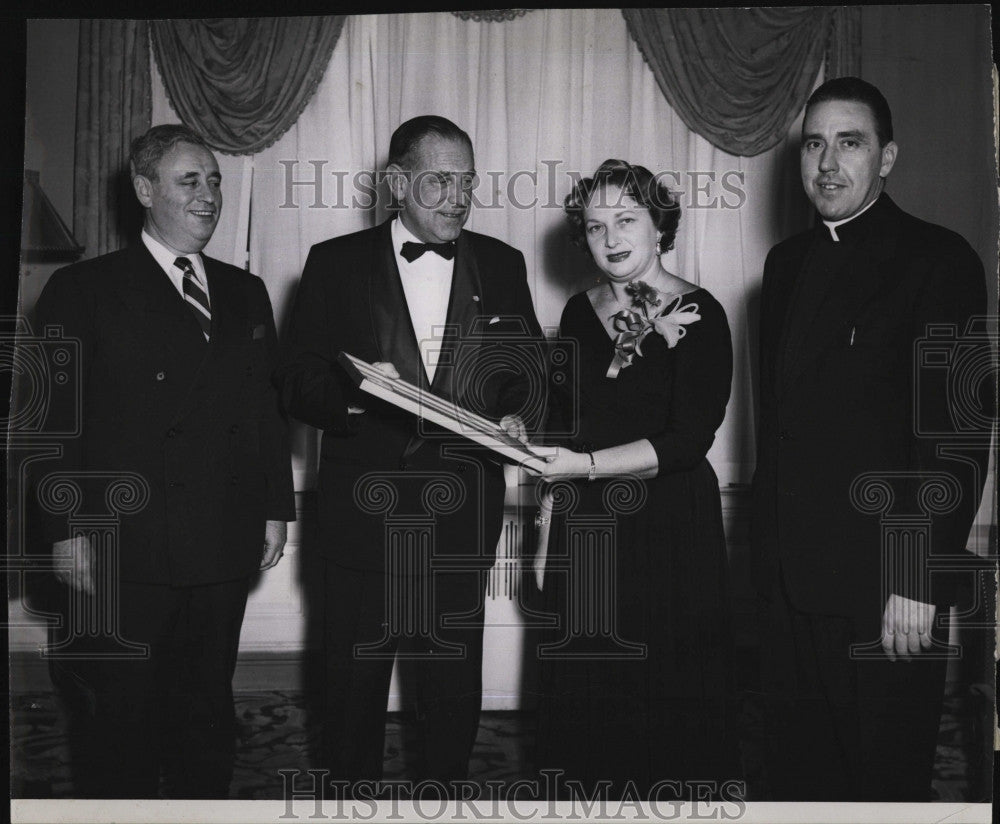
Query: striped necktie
(195, 296)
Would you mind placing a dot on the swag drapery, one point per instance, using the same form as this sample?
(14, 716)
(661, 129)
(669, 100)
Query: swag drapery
(739, 77)
(241, 83)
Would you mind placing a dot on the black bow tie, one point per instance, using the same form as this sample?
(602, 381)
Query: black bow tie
(411, 251)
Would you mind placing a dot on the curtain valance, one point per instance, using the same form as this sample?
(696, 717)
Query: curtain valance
(737, 77)
(241, 83)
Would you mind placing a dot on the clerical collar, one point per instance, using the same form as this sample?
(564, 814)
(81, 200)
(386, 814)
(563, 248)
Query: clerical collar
(833, 224)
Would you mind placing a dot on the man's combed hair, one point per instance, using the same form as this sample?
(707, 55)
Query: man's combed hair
(408, 135)
(638, 183)
(856, 90)
(148, 149)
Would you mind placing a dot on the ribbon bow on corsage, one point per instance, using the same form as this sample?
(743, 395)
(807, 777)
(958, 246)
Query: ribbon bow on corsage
(633, 327)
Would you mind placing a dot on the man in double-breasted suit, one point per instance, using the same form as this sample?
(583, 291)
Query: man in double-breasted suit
(869, 469)
(409, 518)
(179, 418)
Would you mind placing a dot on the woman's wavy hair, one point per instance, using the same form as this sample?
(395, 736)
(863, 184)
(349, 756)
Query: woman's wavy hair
(637, 182)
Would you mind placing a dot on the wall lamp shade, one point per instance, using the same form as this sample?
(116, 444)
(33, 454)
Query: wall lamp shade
(44, 236)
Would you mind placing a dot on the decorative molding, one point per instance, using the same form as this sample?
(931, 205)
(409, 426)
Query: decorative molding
(491, 15)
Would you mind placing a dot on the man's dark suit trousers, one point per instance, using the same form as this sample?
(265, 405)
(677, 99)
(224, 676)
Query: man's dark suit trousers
(171, 710)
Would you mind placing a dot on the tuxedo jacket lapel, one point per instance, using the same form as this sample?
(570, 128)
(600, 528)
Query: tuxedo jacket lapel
(393, 330)
(463, 307)
(391, 324)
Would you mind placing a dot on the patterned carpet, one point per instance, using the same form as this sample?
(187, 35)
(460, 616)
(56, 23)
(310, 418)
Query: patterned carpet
(277, 733)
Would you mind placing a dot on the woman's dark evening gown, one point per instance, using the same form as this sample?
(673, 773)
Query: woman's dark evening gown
(636, 679)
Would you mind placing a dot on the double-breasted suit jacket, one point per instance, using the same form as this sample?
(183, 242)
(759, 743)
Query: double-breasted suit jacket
(351, 299)
(198, 420)
(850, 396)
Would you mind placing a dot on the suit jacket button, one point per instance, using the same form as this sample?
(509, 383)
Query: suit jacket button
(171, 432)
(234, 429)
(235, 479)
(784, 436)
(160, 376)
(403, 465)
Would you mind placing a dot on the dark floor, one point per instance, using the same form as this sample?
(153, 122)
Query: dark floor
(277, 734)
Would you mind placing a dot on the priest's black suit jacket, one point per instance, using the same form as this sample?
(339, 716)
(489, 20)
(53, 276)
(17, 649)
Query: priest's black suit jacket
(384, 466)
(866, 391)
(197, 422)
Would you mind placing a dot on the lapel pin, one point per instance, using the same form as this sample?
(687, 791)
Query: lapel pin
(476, 298)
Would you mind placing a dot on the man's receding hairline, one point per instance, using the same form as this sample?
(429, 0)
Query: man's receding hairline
(156, 166)
(410, 156)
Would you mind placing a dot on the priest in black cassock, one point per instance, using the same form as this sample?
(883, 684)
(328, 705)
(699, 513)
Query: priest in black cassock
(860, 493)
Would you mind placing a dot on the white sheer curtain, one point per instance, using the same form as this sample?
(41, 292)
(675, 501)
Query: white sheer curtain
(548, 94)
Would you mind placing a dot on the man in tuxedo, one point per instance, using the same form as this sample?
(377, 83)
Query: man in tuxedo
(182, 439)
(869, 470)
(410, 516)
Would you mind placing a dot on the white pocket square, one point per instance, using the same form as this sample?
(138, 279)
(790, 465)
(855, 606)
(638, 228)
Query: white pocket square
(495, 319)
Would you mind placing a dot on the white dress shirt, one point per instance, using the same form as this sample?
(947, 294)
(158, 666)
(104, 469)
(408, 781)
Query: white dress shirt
(166, 257)
(427, 287)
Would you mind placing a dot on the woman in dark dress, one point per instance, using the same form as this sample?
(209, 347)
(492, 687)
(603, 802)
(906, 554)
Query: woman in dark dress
(636, 678)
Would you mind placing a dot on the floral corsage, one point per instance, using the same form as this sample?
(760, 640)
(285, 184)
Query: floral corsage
(632, 327)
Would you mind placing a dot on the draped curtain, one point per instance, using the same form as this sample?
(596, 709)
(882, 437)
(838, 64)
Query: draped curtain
(843, 53)
(738, 77)
(546, 97)
(112, 108)
(242, 82)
